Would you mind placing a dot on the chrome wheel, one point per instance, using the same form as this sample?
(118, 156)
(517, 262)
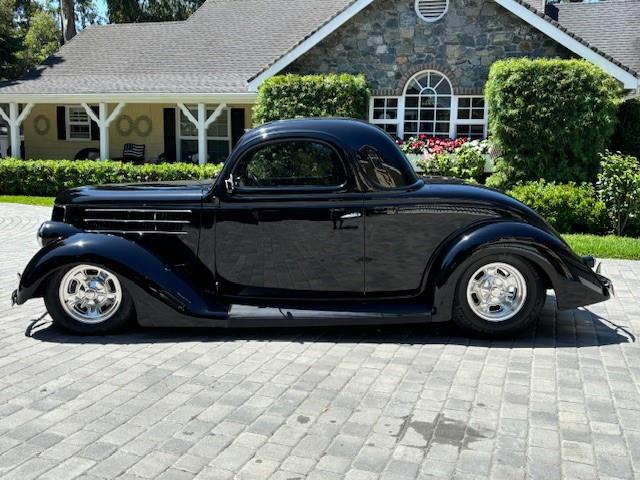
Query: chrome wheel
(90, 294)
(496, 292)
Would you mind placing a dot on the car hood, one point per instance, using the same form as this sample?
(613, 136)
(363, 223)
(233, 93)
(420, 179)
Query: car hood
(137, 193)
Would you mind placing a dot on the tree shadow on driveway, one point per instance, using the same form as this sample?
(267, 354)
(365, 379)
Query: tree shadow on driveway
(555, 329)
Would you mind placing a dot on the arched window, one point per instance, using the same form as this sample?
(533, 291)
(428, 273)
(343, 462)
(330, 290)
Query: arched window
(427, 105)
(431, 10)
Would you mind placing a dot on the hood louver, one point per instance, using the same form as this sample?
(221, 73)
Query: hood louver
(136, 221)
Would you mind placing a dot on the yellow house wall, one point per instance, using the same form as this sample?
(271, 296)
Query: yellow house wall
(47, 145)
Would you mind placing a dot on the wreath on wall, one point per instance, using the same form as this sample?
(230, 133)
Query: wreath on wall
(124, 125)
(143, 125)
(41, 125)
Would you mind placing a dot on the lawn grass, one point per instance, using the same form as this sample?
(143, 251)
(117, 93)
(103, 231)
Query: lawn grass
(608, 246)
(44, 201)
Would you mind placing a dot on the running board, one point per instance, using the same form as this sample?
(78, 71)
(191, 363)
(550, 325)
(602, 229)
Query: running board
(352, 314)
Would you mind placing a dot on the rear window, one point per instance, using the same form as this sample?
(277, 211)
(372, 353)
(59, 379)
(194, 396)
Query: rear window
(381, 172)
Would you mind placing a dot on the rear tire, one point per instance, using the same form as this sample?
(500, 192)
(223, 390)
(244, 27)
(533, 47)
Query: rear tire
(88, 300)
(498, 295)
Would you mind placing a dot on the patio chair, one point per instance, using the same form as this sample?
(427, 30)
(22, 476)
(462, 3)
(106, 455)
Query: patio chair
(133, 153)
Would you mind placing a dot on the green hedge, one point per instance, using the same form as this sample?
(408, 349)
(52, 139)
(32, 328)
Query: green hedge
(570, 208)
(294, 96)
(550, 117)
(49, 177)
(626, 138)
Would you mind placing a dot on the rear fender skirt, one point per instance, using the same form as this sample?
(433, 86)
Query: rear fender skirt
(575, 284)
(128, 260)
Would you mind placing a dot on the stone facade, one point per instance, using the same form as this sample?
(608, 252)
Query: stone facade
(389, 43)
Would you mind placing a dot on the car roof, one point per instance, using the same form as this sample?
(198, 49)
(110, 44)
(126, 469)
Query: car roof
(350, 132)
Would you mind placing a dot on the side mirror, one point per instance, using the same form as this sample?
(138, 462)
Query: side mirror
(229, 184)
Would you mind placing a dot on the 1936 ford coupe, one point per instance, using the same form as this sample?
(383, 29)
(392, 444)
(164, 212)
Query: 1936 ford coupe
(311, 222)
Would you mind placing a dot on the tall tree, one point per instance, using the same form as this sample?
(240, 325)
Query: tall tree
(40, 41)
(130, 11)
(10, 42)
(68, 19)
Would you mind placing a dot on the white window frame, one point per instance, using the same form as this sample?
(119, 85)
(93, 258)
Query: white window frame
(471, 121)
(180, 137)
(454, 121)
(431, 19)
(68, 123)
(386, 121)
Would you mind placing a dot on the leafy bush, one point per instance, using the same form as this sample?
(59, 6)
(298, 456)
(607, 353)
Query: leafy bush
(295, 96)
(626, 138)
(434, 145)
(49, 177)
(570, 208)
(467, 162)
(619, 188)
(550, 117)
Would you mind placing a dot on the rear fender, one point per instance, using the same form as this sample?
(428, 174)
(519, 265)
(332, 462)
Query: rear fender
(574, 283)
(127, 259)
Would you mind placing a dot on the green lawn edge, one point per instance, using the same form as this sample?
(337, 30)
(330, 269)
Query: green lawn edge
(607, 246)
(26, 200)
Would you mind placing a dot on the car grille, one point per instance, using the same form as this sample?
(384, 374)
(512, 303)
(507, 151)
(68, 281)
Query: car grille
(136, 221)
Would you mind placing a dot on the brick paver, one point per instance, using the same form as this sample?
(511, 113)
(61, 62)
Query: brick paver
(355, 403)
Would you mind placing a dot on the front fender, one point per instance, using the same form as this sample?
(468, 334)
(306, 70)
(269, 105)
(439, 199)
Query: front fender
(125, 258)
(574, 283)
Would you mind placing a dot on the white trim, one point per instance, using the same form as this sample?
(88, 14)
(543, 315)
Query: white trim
(627, 79)
(431, 19)
(309, 43)
(67, 120)
(172, 98)
(184, 109)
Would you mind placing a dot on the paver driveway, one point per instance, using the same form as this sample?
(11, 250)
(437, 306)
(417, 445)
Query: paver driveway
(356, 403)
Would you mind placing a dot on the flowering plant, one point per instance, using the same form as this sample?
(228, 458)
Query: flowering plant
(425, 145)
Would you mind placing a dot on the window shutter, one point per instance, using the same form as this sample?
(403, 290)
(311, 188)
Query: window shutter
(170, 134)
(95, 130)
(237, 125)
(431, 10)
(61, 122)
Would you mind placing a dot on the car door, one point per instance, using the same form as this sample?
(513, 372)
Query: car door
(290, 224)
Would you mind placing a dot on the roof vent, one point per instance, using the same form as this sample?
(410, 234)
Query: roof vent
(431, 10)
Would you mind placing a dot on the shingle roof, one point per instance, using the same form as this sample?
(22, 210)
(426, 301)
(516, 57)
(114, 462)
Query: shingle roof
(218, 49)
(612, 26)
(226, 43)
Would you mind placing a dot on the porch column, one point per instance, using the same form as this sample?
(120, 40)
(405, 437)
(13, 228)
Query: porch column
(103, 120)
(202, 124)
(15, 119)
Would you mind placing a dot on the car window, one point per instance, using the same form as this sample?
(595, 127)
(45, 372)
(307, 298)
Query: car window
(380, 171)
(298, 163)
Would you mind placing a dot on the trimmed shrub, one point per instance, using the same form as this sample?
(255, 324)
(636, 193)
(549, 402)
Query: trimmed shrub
(49, 177)
(619, 189)
(626, 138)
(551, 118)
(295, 96)
(569, 208)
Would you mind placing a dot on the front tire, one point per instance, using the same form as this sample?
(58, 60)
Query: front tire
(88, 300)
(498, 295)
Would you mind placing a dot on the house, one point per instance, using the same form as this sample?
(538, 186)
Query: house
(185, 89)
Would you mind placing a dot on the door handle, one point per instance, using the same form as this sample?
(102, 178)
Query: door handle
(347, 216)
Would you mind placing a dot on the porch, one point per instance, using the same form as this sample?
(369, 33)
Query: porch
(188, 129)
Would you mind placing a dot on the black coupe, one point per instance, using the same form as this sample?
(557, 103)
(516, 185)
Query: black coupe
(311, 222)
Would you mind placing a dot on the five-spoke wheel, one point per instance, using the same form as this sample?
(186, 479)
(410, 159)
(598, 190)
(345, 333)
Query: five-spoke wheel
(88, 299)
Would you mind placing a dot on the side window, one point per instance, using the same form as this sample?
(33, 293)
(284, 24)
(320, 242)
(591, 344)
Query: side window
(298, 163)
(379, 171)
